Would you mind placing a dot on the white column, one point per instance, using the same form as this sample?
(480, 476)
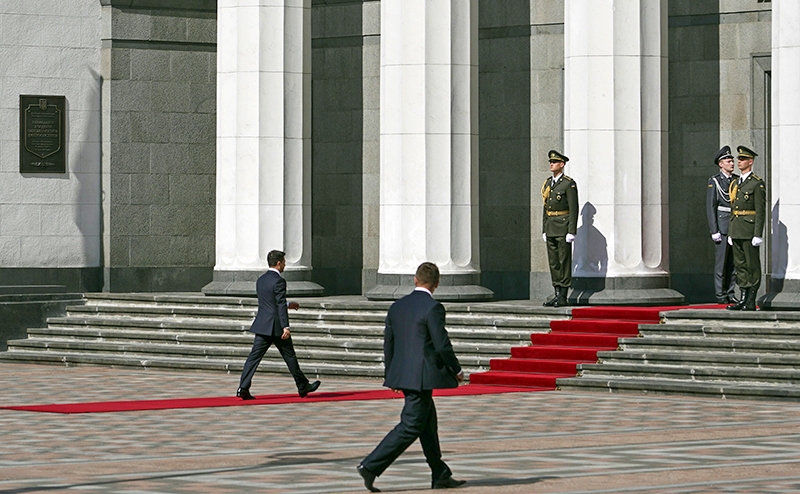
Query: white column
(429, 137)
(616, 135)
(263, 134)
(785, 262)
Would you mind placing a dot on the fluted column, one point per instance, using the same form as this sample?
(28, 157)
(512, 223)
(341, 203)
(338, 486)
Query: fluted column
(429, 147)
(263, 143)
(616, 138)
(784, 266)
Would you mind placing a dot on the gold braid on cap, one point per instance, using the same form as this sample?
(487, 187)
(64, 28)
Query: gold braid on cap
(733, 189)
(545, 191)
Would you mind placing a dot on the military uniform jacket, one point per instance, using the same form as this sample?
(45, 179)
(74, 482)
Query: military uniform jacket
(718, 203)
(749, 207)
(560, 212)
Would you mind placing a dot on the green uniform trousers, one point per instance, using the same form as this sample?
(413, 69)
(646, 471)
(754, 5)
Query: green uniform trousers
(559, 256)
(747, 263)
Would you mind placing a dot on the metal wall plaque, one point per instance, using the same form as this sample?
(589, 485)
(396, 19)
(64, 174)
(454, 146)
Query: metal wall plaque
(42, 134)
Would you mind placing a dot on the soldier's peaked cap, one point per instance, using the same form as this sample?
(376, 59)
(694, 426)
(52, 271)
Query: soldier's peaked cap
(723, 153)
(745, 152)
(554, 155)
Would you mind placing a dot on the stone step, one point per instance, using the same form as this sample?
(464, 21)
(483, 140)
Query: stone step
(247, 314)
(268, 365)
(694, 358)
(343, 328)
(244, 338)
(721, 389)
(357, 364)
(707, 373)
(788, 331)
(655, 344)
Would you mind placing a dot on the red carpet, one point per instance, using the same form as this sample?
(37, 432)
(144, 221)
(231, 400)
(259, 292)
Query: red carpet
(229, 401)
(570, 342)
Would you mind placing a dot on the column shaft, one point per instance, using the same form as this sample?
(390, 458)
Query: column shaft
(616, 137)
(429, 140)
(263, 142)
(784, 289)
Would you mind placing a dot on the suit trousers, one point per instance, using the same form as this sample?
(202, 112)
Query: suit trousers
(417, 420)
(260, 346)
(724, 277)
(747, 263)
(559, 256)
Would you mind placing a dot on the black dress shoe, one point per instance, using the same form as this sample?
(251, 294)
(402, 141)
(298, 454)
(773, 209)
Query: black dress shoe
(244, 394)
(448, 483)
(369, 478)
(308, 388)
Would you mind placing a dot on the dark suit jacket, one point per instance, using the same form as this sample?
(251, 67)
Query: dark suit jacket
(273, 313)
(417, 351)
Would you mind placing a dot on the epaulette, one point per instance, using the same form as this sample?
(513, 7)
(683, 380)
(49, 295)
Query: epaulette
(569, 178)
(757, 177)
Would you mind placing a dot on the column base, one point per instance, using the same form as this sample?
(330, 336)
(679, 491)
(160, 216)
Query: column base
(783, 295)
(452, 288)
(243, 284)
(629, 290)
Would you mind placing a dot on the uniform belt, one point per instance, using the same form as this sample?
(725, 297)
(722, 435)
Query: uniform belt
(744, 212)
(557, 213)
(724, 208)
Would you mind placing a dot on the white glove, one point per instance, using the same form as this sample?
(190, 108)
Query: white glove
(544, 237)
(730, 240)
(716, 237)
(570, 238)
(756, 241)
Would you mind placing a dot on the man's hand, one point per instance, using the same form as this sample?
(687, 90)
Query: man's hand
(570, 238)
(460, 377)
(544, 237)
(756, 241)
(730, 240)
(286, 334)
(395, 390)
(716, 237)
(294, 305)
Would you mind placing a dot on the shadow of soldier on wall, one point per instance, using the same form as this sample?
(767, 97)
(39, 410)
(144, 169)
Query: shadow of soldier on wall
(590, 257)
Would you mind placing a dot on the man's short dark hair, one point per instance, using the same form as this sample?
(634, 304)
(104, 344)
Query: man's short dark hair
(428, 274)
(274, 257)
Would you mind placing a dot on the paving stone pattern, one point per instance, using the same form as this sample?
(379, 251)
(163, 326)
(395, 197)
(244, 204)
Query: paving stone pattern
(518, 442)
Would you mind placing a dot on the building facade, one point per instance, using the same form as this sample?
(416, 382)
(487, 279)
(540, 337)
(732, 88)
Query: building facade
(363, 137)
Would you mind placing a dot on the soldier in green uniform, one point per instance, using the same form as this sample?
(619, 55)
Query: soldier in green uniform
(559, 224)
(748, 216)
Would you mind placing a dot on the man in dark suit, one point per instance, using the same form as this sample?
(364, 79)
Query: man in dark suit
(718, 211)
(271, 325)
(418, 358)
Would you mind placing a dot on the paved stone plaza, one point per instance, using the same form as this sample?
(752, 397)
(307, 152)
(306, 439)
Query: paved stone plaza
(537, 442)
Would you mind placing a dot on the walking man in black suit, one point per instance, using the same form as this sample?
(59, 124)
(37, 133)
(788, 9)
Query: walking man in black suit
(271, 325)
(418, 358)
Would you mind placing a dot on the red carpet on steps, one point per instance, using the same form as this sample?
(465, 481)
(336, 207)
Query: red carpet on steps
(229, 401)
(570, 342)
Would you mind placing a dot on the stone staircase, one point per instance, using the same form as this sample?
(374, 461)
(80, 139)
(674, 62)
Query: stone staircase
(333, 336)
(705, 353)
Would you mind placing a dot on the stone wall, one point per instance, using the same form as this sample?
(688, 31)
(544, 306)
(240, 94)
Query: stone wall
(159, 159)
(340, 36)
(50, 222)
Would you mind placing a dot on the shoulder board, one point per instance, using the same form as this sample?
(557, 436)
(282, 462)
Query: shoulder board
(567, 177)
(757, 177)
